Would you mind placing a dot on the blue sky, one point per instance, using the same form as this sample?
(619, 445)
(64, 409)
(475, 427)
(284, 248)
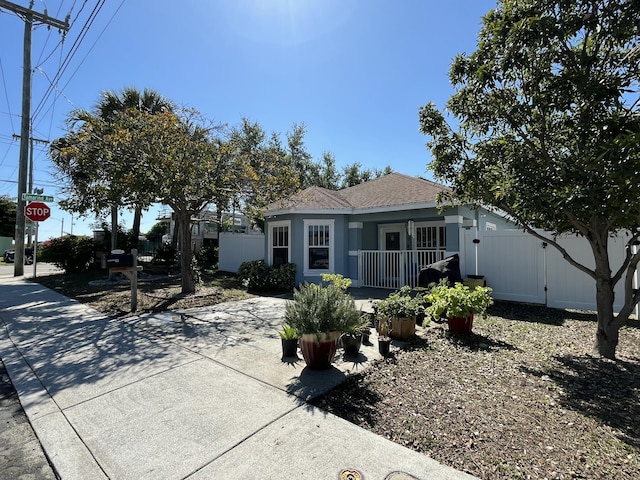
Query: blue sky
(354, 72)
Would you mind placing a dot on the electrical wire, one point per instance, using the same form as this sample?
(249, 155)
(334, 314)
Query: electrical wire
(6, 94)
(72, 51)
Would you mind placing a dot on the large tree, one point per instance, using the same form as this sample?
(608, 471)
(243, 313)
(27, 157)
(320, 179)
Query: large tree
(547, 114)
(189, 163)
(98, 177)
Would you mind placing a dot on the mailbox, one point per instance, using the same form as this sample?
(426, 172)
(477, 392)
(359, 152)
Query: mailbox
(119, 260)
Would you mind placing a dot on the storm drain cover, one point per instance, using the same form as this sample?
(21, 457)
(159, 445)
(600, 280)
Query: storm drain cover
(350, 474)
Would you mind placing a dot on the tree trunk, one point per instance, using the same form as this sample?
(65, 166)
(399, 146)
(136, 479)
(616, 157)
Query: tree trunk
(135, 231)
(608, 324)
(186, 253)
(114, 228)
(607, 335)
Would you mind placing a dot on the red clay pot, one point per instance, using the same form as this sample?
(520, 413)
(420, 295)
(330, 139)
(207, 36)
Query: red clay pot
(318, 350)
(460, 324)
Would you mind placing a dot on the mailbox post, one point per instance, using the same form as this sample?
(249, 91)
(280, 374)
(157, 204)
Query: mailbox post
(127, 264)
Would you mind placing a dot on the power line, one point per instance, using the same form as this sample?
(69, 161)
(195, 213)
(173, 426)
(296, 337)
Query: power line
(6, 94)
(72, 51)
(29, 16)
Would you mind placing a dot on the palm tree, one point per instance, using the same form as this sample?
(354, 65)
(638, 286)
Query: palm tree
(111, 104)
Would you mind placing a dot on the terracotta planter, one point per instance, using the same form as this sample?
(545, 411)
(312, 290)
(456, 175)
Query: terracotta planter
(402, 328)
(318, 350)
(289, 348)
(460, 324)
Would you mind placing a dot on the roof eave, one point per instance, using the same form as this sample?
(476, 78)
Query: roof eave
(351, 211)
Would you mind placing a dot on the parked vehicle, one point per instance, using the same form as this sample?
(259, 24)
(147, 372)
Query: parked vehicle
(10, 254)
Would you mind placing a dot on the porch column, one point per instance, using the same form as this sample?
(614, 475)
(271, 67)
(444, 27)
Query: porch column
(453, 225)
(355, 244)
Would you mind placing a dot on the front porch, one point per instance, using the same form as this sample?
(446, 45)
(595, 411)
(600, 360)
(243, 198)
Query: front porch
(394, 268)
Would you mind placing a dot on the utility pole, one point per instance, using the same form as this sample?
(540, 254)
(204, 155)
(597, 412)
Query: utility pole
(29, 17)
(30, 187)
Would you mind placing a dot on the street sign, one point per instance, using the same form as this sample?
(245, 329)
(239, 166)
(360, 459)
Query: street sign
(37, 211)
(29, 197)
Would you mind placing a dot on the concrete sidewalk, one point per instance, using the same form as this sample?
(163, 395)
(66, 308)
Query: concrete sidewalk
(196, 394)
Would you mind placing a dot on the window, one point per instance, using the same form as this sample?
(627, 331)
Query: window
(318, 246)
(279, 243)
(431, 237)
(490, 227)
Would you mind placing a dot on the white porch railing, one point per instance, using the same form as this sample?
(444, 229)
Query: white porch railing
(393, 268)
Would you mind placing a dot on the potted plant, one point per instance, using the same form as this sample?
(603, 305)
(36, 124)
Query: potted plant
(353, 338)
(384, 341)
(400, 308)
(289, 340)
(320, 314)
(459, 304)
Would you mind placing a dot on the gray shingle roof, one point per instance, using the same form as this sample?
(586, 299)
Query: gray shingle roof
(394, 189)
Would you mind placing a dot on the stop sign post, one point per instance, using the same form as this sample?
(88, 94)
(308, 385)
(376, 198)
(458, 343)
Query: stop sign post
(37, 211)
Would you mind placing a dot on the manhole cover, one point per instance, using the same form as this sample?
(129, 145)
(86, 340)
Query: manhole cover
(350, 474)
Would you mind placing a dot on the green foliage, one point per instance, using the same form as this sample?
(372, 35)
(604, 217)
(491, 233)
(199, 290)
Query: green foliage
(165, 254)
(288, 332)
(124, 240)
(548, 113)
(542, 104)
(70, 253)
(257, 276)
(156, 232)
(207, 257)
(99, 161)
(457, 301)
(283, 277)
(337, 280)
(7, 216)
(399, 304)
(317, 310)
(254, 275)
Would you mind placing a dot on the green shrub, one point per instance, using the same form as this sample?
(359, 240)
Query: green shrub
(283, 277)
(399, 304)
(208, 257)
(165, 254)
(69, 253)
(317, 309)
(257, 276)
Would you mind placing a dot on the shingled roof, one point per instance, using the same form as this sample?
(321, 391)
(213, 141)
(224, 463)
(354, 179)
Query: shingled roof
(392, 190)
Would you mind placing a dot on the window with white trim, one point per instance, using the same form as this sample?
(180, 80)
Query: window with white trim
(490, 227)
(318, 246)
(279, 241)
(430, 237)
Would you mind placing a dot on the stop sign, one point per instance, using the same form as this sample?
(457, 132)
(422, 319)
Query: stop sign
(37, 211)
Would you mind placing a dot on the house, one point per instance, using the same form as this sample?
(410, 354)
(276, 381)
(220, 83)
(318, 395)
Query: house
(205, 230)
(379, 233)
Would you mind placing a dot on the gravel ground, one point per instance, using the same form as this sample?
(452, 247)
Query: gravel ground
(522, 397)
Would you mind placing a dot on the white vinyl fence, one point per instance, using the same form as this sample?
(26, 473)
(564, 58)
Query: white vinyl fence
(519, 267)
(235, 248)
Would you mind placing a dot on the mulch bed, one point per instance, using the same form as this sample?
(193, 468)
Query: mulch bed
(522, 397)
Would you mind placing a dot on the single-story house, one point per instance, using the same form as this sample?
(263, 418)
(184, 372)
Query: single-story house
(379, 233)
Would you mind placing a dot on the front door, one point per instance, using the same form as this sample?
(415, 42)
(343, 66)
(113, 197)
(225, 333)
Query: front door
(392, 239)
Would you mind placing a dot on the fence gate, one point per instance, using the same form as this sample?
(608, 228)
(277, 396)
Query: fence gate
(520, 267)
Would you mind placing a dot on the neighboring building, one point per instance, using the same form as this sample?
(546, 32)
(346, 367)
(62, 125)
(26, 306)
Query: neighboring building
(379, 233)
(204, 229)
